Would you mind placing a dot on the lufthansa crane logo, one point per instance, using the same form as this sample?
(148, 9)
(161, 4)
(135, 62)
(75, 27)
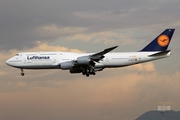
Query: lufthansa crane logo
(163, 40)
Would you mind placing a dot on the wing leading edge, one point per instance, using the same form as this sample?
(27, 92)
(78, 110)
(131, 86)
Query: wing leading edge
(100, 55)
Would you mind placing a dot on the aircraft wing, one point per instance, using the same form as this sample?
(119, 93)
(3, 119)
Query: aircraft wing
(86, 64)
(100, 55)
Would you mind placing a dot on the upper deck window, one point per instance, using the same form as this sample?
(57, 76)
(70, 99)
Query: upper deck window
(17, 54)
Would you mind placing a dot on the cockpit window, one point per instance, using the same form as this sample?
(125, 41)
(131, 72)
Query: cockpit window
(17, 54)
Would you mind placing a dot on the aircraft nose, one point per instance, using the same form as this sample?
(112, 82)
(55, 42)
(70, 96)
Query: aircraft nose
(13, 62)
(10, 62)
(7, 62)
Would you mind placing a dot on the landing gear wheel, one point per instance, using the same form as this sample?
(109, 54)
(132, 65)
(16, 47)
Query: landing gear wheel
(83, 73)
(94, 73)
(22, 74)
(87, 75)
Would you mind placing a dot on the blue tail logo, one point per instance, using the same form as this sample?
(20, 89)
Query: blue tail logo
(161, 42)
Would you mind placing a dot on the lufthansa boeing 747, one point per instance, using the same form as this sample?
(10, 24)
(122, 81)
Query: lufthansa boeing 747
(90, 63)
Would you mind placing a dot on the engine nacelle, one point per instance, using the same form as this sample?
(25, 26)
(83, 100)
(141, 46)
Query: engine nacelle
(75, 71)
(67, 65)
(83, 60)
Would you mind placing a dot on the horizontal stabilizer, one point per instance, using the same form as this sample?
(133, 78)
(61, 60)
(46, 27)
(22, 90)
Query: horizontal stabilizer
(162, 53)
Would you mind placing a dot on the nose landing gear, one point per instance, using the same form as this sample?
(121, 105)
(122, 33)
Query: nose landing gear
(22, 73)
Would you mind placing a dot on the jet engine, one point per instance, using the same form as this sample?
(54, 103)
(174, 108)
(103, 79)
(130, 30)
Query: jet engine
(67, 65)
(83, 60)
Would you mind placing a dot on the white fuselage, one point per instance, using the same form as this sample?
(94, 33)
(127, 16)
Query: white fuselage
(52, 60)
(90, 63)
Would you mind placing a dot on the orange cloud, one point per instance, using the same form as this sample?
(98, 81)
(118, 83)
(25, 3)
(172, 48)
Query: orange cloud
(55, 31)
(103, 96)
(149, 67)
(107, 37)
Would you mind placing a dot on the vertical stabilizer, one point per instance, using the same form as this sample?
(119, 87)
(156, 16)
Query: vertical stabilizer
(161, 42)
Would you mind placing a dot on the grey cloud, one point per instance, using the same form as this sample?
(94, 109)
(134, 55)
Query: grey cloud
(19, 18)
(111, 94)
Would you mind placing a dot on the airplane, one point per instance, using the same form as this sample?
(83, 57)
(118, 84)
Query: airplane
(90, 63)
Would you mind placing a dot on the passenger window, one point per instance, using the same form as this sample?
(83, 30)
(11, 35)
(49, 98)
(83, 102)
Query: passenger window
(17, 54)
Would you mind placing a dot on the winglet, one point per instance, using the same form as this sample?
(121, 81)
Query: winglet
(161, 42)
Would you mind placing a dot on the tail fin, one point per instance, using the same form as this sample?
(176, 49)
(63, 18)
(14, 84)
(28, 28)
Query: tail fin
(161, 42)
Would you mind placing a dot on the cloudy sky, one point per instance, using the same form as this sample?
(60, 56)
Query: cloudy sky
(87, 26)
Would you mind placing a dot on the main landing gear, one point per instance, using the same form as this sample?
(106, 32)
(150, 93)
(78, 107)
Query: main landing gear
(22, 73)
(88, 72)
